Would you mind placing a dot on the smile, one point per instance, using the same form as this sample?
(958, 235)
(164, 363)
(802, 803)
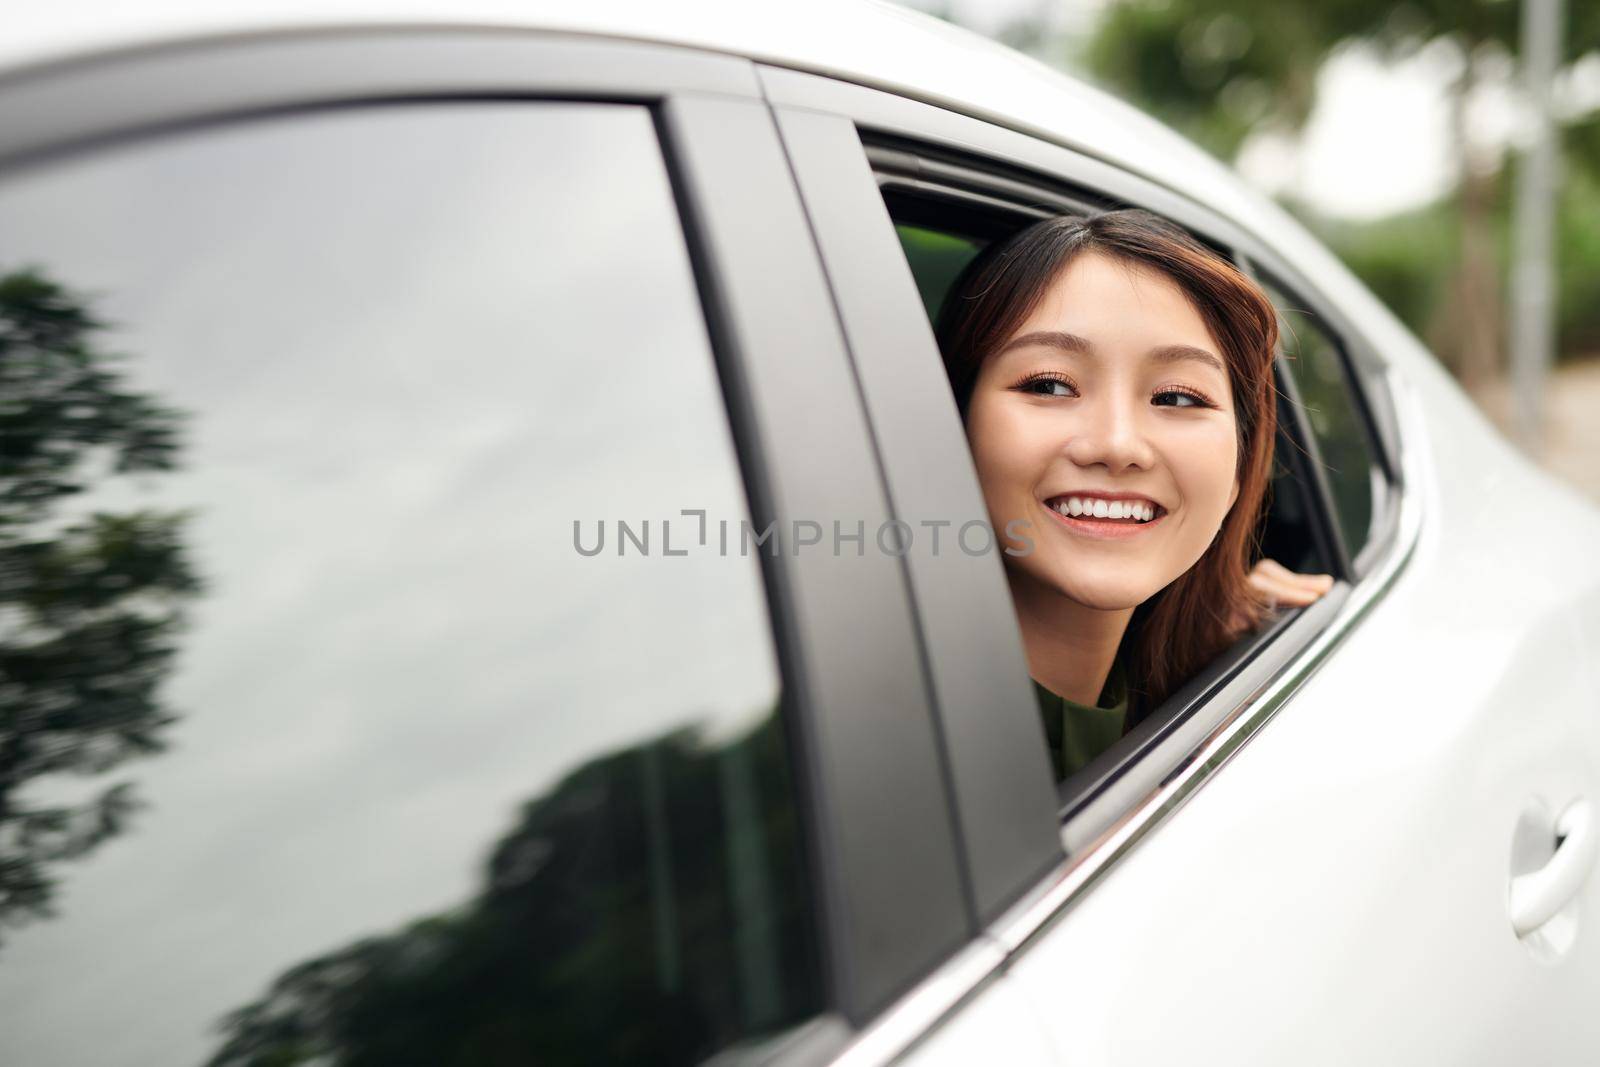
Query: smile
(1093, 507)
(1104, 519)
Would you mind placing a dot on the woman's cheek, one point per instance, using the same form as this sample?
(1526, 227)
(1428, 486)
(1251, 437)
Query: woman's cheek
(991, 479)
(1002, 449)
(1208, 466)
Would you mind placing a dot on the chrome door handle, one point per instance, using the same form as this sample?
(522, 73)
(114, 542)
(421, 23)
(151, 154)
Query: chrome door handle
(1538, 896)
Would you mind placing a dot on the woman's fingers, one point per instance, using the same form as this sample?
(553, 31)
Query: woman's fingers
(1283, 587)
(1280, 594)
(1277, 570)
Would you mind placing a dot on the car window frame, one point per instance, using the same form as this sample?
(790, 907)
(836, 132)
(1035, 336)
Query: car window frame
(892, 902)
(1228, 703)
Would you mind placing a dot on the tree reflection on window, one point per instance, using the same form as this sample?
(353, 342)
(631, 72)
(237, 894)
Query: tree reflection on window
(649, 909)
(90, 607)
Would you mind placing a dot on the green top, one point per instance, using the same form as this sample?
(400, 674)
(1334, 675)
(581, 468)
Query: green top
(1079, 733)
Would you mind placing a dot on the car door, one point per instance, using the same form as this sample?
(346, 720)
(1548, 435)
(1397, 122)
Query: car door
(416, 649)
(1308, 855)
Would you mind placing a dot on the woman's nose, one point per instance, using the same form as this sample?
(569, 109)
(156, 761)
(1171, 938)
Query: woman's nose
(1109, 433)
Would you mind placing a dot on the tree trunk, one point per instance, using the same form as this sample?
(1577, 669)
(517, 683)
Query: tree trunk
(1468, 327)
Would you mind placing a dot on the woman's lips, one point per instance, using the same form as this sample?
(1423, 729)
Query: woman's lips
(1106, 529)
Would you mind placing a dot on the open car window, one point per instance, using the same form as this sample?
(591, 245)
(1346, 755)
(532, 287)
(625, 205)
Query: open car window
(901, 195)
(1313, 510)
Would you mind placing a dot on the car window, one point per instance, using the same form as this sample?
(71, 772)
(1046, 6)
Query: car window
(1346, 452)
(346, 717)
(1288, 530)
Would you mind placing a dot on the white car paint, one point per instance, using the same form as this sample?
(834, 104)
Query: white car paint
(997, 1026)
(1340, 892)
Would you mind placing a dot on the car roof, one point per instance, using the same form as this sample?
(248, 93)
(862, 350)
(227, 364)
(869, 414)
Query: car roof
(869, 42)
(864, 41)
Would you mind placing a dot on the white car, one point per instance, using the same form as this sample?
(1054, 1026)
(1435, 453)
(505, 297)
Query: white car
(448, 456)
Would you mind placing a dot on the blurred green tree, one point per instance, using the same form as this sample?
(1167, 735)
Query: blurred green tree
(1407, 258)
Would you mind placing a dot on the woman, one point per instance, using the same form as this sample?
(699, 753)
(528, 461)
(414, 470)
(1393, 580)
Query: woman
(1115, 379)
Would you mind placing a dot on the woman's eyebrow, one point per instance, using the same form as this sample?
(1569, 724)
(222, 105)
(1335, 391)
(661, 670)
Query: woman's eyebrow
(1179, 353)
(1071, 342)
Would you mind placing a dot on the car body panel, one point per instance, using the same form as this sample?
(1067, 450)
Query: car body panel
(998, 1025)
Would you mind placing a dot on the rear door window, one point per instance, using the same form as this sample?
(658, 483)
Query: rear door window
(343, 721)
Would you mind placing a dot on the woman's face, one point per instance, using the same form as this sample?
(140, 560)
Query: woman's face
(1111, 397)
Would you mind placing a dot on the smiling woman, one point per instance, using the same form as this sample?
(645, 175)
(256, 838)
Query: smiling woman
(1115, 378)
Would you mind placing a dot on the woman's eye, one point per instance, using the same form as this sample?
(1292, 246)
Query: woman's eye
(1048, 387)
(1178, 399)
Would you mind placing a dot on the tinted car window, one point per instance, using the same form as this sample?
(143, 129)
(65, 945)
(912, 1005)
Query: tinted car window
(1346, 451)
(322, 741)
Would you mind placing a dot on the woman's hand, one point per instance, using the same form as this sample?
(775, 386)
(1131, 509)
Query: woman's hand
(1283, 588)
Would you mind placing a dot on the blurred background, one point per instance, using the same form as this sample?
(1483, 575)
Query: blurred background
(1447, 150)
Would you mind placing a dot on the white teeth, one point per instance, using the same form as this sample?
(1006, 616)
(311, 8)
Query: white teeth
(1102, 509)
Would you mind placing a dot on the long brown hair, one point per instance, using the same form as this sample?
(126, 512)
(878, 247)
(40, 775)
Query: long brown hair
(1204, 610)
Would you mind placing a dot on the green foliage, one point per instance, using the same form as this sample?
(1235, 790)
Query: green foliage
(1406, 259)
(59, 399)
(1215, 69)
(92, 608)
(1578, 263)
(936, 261)
(1221, 69)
